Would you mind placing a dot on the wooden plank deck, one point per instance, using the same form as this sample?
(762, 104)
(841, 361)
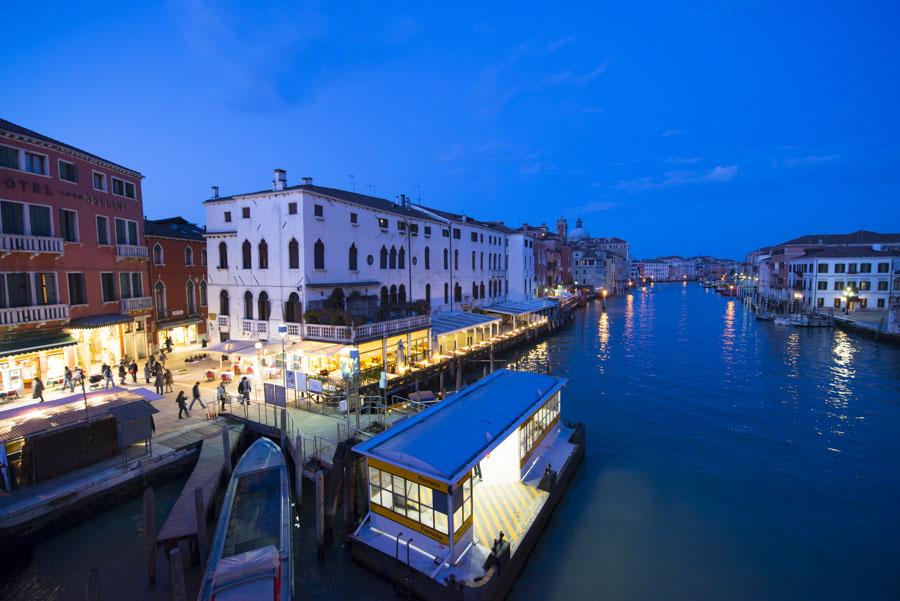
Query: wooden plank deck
(182, 520)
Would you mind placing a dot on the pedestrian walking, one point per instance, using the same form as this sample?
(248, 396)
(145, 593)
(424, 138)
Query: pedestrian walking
(77, 378)
(122, 373)
(148, 371)
(195, 394)
(181, 399)
(162, 358)
(158, 382)
(133, 370)
(169, 380)
(67, 379)
(108, 376)
(38, 390)
(244, 390)
(169, 344)
(222, 396)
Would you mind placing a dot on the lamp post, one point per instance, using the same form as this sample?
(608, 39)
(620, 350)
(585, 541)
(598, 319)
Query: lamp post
(258, 346)
(798, 297)
(282, 331)
(603, 294)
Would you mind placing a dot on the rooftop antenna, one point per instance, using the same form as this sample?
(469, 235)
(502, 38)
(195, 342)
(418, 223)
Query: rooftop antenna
(371, 188)
(418, 193)
(352, 181)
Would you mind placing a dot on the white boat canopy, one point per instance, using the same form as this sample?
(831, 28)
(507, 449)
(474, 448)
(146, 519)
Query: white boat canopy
(229, 346)
(454, 321)
(521, 308)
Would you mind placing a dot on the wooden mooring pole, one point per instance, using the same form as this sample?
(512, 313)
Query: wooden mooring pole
(150, 535)
(320, 514)
(226, 448)
(176, 570)
(298, 470)
(441, 387)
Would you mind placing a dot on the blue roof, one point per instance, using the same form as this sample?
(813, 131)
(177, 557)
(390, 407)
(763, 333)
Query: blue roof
(445, 440)
(521, 308)
(451, 321)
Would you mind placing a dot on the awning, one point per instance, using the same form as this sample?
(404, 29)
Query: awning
(311, 347)
(32, 344)
(229, 346)
(174, 323)
(99, 321)
(454, 321)
(521, 308)
(270, 346)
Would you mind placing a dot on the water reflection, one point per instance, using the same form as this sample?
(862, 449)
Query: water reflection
(603, 333)
(628, 334)
(843, 371)
(728, 333)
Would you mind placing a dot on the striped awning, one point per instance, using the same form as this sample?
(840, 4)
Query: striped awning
(33, 344)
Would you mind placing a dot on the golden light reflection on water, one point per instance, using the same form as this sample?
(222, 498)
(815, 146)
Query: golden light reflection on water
(603, 355)
(728, 333)
(842, 372)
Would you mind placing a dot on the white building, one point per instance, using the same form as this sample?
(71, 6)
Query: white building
(277, 253)
(846, 277)
(593, 268)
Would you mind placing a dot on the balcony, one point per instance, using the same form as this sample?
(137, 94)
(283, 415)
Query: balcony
(137, 303)
(254, 328)
(21, 315)
(130, 251)
(224, 321)
(34, 245)
(362, 333)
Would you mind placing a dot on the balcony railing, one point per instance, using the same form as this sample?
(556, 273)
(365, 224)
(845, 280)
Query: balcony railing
(354, 334)
(224, 321)
(19, 315)
(130, 251)
(137, 303)
(11, 243)
(254, 327)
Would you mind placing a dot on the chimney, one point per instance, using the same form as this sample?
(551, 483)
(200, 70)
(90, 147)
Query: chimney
(215, 192)
(877, 247)
(280, 181)
(307, 181)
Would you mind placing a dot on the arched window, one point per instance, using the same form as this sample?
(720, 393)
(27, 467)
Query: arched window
(159, 297)
(293, 254)
(191, 299)
(158, 257)
(401, 294)
(223, 255)
(264, 308)
(292, 308)
(223, 303)
(202, 288)
(263, 251)
(427, 258)
(446, 293)
(351, 258)
(383, 258)
(428, 295)
(393, 294)
(384, 295)
(481, 290)
(456, 259)
(473, 260)
(248, 305)
(392, 259)
(446, 259)
(319, 255)
(188, 255)
(203, 257)
(246, 255)
(401, 259)
(474, 290)
(457, 292)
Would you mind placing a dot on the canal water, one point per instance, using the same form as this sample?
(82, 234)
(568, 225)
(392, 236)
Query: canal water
(727, 459)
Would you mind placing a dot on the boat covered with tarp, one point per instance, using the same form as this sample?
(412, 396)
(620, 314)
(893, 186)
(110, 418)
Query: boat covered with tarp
(250, 556)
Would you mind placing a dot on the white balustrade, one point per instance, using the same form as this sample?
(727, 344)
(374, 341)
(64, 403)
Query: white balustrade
(19, 315)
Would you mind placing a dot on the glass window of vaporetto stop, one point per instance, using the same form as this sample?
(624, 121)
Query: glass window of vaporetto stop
(420, 472)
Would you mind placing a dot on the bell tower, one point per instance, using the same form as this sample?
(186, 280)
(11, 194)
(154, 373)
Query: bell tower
(562, 228)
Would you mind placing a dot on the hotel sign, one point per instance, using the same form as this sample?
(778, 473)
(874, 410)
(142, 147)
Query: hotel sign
(38, 188)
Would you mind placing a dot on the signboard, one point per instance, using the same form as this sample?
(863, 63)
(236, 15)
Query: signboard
(382, 381)
(314, 386)
(300, 380)
(275, 395)
(290, 379)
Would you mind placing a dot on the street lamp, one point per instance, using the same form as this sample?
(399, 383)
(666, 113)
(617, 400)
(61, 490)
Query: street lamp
(258, 346)
(603, 294)
(798, 297)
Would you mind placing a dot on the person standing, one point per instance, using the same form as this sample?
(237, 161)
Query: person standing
(158, 381)
(169, 344)
(77, 378)
(108, 376)
(162, 358)
(133, 370)
(67, 380)
(181, 399)
(148, 371)
(222, 396)
(195, 396)
(38, 390)
(122, 372)
(169, 380)
(244, 390)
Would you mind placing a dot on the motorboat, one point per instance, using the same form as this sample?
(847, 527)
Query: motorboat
(250, 555)
(814, 320)
(765, 316)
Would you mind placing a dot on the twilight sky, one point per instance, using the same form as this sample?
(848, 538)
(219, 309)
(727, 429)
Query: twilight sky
(706, 130)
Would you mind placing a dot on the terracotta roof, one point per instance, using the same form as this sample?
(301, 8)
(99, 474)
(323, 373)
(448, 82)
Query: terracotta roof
(850, 251)
(17, 130)
(857, 237)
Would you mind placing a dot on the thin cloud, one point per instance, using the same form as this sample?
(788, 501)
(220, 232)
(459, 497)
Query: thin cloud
(671, 132)
(683, 160)
(560, 43)
(807, 160)
(569, 77)
(598, 206)
(716, 175)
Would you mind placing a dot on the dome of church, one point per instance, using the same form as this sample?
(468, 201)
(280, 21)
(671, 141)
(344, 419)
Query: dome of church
(579, 233)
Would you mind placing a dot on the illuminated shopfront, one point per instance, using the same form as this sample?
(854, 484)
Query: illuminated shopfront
(108, 339)
(183, 332)
(24, 359)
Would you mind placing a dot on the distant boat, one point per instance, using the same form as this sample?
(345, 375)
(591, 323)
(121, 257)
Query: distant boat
(765, 316)
(250, 556)
(805, 321)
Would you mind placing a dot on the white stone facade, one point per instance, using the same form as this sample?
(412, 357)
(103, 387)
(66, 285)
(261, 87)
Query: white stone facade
(402, 252)
(869, 280)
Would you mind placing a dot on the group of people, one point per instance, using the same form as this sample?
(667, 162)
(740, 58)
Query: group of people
(125, 369)
(184, 409)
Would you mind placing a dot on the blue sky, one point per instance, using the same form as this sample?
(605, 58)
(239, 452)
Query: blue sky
(709, 129)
